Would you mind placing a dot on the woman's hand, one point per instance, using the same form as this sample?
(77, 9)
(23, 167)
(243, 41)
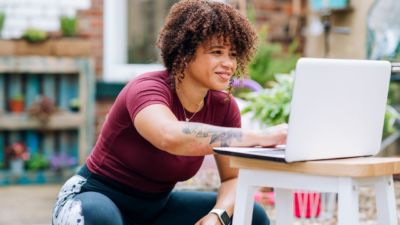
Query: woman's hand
(209, 219)
(275, 135)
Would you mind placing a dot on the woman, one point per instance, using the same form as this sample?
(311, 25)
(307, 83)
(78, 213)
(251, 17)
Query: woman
(163, 123)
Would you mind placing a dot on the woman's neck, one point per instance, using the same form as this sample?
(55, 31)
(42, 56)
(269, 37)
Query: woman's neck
(190, 96)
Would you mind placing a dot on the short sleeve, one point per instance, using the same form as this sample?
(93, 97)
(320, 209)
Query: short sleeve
(144, 92)
(232, 118)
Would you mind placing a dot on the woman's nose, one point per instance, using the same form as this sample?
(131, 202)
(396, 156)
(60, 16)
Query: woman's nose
(229, 61)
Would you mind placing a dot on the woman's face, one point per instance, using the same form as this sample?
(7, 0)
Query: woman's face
(213, 65)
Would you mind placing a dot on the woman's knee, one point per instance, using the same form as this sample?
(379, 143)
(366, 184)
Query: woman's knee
(259, 216)
(96, 208)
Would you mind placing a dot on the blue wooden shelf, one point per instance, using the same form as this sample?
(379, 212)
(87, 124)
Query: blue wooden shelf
(63, 80)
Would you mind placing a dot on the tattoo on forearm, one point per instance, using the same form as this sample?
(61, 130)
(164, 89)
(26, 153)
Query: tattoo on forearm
(224, 137)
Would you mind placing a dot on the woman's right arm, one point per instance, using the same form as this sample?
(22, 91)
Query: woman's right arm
(158, 125)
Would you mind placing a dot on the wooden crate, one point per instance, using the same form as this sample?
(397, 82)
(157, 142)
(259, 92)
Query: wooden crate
(61, 79)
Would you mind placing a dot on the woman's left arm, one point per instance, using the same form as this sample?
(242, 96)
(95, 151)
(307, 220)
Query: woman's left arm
(226, 193)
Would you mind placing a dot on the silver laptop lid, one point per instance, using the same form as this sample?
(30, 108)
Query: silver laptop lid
(337, 108)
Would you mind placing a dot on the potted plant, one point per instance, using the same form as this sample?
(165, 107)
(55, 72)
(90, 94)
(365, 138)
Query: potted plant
(74, 105)
(72, 42)
(34, 35)
(2, 19)
(60, 163)
(68, 26)
(17, 153)
(16, 103)
(37, 162)
(42, 109)
(34, 43)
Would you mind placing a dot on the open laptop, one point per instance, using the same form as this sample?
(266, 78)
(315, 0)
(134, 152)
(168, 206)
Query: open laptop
(337, 111)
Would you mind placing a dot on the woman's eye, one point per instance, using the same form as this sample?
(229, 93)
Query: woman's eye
(233, 54)
(218, 52)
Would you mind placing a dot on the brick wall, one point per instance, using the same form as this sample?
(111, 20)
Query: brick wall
(102, 108)
(91, 24)
(284, 22)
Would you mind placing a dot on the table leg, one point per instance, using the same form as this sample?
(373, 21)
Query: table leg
(284, 206)
(385, 200)
(348, 212)
(244, 202)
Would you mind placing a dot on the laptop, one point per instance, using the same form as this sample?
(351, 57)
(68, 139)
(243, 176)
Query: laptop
(337, 111)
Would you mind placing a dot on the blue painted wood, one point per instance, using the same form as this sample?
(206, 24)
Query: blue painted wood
(15, 87)
(2, 93)
(64, 93)
(73, 149)
(64, 139)
(49, 87)
(32, 90)
(49, 144)
(32, 95)
(32, 142)
(2, 148)
(15, 136)
(76, 143)
(49, 139)
(73, 87)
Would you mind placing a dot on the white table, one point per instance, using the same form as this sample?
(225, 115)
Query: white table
(343, 176)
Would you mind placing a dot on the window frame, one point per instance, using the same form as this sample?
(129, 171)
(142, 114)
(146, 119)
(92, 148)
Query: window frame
(115, 58)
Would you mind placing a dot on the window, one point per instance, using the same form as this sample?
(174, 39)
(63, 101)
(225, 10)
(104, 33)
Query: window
(130, 32)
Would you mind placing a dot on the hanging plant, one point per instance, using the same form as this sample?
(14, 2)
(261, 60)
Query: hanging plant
(42, 109)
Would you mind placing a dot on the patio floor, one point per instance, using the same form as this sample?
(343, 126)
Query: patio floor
(32, 205)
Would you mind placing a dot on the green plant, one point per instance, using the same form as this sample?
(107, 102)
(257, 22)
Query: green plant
(17, 97)
(2, 19)
(34, 35)
(271, 59)
(74, 104)
(68, 26)
(37, 162)
(391, 115)
(271, 106)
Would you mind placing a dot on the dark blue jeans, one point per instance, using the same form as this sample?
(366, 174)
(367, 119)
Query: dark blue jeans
(89, 199)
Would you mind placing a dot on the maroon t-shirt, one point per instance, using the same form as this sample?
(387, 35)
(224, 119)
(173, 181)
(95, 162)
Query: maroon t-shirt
(123, 155)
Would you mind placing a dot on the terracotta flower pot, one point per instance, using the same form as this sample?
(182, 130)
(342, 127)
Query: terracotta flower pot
(17, 106)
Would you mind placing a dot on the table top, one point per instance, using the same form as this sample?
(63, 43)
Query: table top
(351, 167)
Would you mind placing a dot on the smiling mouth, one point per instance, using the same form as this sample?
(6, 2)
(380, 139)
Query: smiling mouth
(223, 75)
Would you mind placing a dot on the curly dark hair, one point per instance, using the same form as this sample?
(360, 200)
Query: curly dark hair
(193, 22)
